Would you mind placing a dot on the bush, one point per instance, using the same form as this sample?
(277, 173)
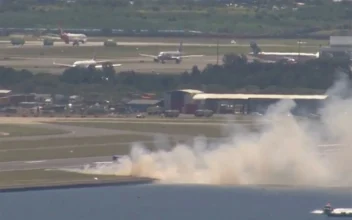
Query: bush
(17, 41)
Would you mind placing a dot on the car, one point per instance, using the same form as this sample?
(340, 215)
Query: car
(140, 116)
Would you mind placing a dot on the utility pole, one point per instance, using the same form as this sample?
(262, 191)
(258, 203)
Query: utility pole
(299, 49)
(217, 52)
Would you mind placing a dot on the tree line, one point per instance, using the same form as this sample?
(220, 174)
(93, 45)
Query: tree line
(235, 74)
(256, 18)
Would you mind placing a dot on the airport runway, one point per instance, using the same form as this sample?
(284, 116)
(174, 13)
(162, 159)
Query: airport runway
(52, 164)
(7, 43)
(137, 64)
(75, 131)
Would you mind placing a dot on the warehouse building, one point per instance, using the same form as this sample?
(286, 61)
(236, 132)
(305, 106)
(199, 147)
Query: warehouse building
(339, 46)
(247, 103)
(181, 100)
(188, 101)
(4, 93)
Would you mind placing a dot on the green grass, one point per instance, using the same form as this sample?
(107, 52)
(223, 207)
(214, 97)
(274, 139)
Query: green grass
(71, 141)
(70, 152)
(10, 130)
(227, 40)
(40, 177)
(56, 148)
(191, 129)
(184, 120)
(131, 51)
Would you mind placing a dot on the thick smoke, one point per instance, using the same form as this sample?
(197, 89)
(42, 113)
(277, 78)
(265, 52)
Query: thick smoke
(287, 150)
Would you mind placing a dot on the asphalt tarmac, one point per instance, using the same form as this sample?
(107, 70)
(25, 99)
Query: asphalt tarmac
(137, 64)
(79, 131)
(37, 62)
(7, 43)
(73, 131)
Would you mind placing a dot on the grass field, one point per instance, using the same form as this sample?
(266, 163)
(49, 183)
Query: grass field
(226, 40)
(13, 179)
(64, 152)
(131, 51)
(55, 148)
(190, 129)
(73, 147)
(10, 130)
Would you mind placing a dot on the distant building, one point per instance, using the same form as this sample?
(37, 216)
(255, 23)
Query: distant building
(339, 46)
(4, 93)
(181, 100)
(188, 101)
(141, 105)
(247, 103)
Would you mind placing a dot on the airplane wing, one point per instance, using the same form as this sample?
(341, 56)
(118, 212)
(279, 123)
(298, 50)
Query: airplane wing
(342, 211)
(63, 64)
(318, 212)
(101, 66)
(102, 61)
(147, 55)
(189, 56)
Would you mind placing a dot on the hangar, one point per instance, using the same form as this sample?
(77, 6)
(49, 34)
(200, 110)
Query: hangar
(339, 46)
(188, 101)
(247, 103)
(181, 100)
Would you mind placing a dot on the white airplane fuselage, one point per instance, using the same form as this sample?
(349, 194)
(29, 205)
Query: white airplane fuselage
(168, 55)
(280, 55)
(72, 38)
(334, 212)
(84, 63)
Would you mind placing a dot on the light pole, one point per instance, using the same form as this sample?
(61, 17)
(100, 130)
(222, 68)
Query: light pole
(217, 52)
(299, 49)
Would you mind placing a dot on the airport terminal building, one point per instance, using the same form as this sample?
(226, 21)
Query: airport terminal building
(188, 101)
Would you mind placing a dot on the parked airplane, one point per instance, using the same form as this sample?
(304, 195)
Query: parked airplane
(170, 55)
(89, 63)
(291, 57)
(334, 212)
(75, 39)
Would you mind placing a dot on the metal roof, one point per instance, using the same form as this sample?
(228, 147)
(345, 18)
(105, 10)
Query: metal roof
(143, 102)
(256, 96)
(4, 91)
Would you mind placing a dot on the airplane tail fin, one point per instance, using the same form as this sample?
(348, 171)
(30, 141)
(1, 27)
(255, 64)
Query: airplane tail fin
(180, 47)
(255, 48)
(61, 32)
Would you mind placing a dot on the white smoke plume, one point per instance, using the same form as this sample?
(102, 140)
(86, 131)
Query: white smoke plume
(288, 150)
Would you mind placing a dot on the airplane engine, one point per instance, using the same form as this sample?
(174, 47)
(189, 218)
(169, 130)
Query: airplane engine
(75, 43)
(107, 65)
(91, 67)
(156, 60)
(178, 61)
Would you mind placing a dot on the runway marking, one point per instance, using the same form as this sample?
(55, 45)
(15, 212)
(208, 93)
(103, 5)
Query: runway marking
(36, 161)
(4, 133)
(106, 162)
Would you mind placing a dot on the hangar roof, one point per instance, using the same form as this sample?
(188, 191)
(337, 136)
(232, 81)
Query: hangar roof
(204, 96)
(4, 91)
